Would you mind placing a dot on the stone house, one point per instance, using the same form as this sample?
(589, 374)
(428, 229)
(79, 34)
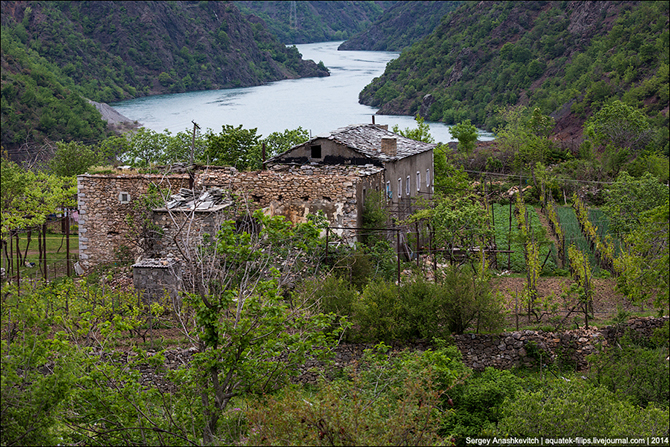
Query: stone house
(407, 164)
(329, 173)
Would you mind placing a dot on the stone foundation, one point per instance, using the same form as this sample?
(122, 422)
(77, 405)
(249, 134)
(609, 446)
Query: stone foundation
(156, 277)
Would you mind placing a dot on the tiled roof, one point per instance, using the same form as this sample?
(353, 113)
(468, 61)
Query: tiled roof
(367, 139)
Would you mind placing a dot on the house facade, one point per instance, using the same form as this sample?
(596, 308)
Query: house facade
(407, 164)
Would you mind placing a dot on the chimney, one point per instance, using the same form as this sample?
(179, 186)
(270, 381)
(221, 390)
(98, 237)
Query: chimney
(390, 146)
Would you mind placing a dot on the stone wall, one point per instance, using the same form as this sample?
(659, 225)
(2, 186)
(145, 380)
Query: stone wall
(511, 349)
(102, 213)
(155, 277)
(293, 192)
(297, 191)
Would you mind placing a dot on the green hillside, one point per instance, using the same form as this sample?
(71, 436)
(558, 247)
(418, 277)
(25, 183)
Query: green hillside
(54, 54)
(400, 26)
(319, 21)
(567, 58)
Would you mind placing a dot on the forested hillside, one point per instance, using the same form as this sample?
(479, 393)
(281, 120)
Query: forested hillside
(54, 54)
(306, 22)
(400, 26)
(567, 58)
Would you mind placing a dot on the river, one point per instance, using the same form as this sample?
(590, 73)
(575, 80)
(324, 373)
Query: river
(318, 105)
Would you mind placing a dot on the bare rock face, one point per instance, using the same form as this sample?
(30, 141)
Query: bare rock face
(109, 114)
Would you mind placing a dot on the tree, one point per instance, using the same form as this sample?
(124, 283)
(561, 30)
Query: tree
(466, 134)
(73, 158)
(234, 146)
(421, 133)
(643, 264)
(250, 339)
(619, 126)
(278, 142)
(628, 198)
(146, 147)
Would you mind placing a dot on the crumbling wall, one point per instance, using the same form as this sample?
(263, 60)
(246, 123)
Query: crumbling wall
(504, 351)
(296, 191)
(103, 228)
(290, 191)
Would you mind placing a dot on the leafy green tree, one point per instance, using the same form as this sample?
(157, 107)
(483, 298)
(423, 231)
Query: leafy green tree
(278, 142)
(242, 320)
(643, 264)
(421, 133)
(27, 198)
(146, 147)
(466, 134)
(619, 126)
(73, 158)
(628, 198)
(234, 146)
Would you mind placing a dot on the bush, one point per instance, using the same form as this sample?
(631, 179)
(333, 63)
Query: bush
(420, 309)
(578, 408)
(478, 403)
(389, 399)
(640, 373)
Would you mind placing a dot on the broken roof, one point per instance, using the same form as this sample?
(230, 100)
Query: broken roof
(367, 139)
(214, 199)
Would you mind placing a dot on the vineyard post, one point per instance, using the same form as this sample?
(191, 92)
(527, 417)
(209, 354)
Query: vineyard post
(416, 226)
(44, 248)
(509, 237)
(18, 265)
(67, 241)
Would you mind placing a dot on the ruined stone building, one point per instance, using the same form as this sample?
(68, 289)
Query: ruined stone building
(330, 173)
(407, 164)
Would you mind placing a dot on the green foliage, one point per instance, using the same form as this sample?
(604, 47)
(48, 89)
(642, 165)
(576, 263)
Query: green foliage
(478, 404)
(449, 179)
(421, 133)
(28, 198)
(628, 198)
(466, 134)
(389, 399)
(619, 126)
(234, 146)
(419, 309)
(278, 142)
(72, 159)
(643, 263)
(639, 373)
(560, 408)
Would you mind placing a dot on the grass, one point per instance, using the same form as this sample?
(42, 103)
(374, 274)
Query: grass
(517, 261)
(55, 248)
(574, 235)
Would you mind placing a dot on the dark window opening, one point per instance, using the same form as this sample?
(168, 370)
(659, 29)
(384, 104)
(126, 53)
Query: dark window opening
(316, 151)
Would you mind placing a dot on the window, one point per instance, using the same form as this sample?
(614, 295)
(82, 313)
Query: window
(124, 197)
(389, 193)
(428, 178)
(418, 181)
(399, 187)
(407, 187)
(316, 151)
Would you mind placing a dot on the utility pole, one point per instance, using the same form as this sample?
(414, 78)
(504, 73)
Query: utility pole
(192, 160)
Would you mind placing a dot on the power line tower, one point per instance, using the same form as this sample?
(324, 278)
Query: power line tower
(293, 16)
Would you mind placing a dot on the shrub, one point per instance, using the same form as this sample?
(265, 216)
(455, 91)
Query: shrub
(578, 408)
(478, 403)
(640, 373)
